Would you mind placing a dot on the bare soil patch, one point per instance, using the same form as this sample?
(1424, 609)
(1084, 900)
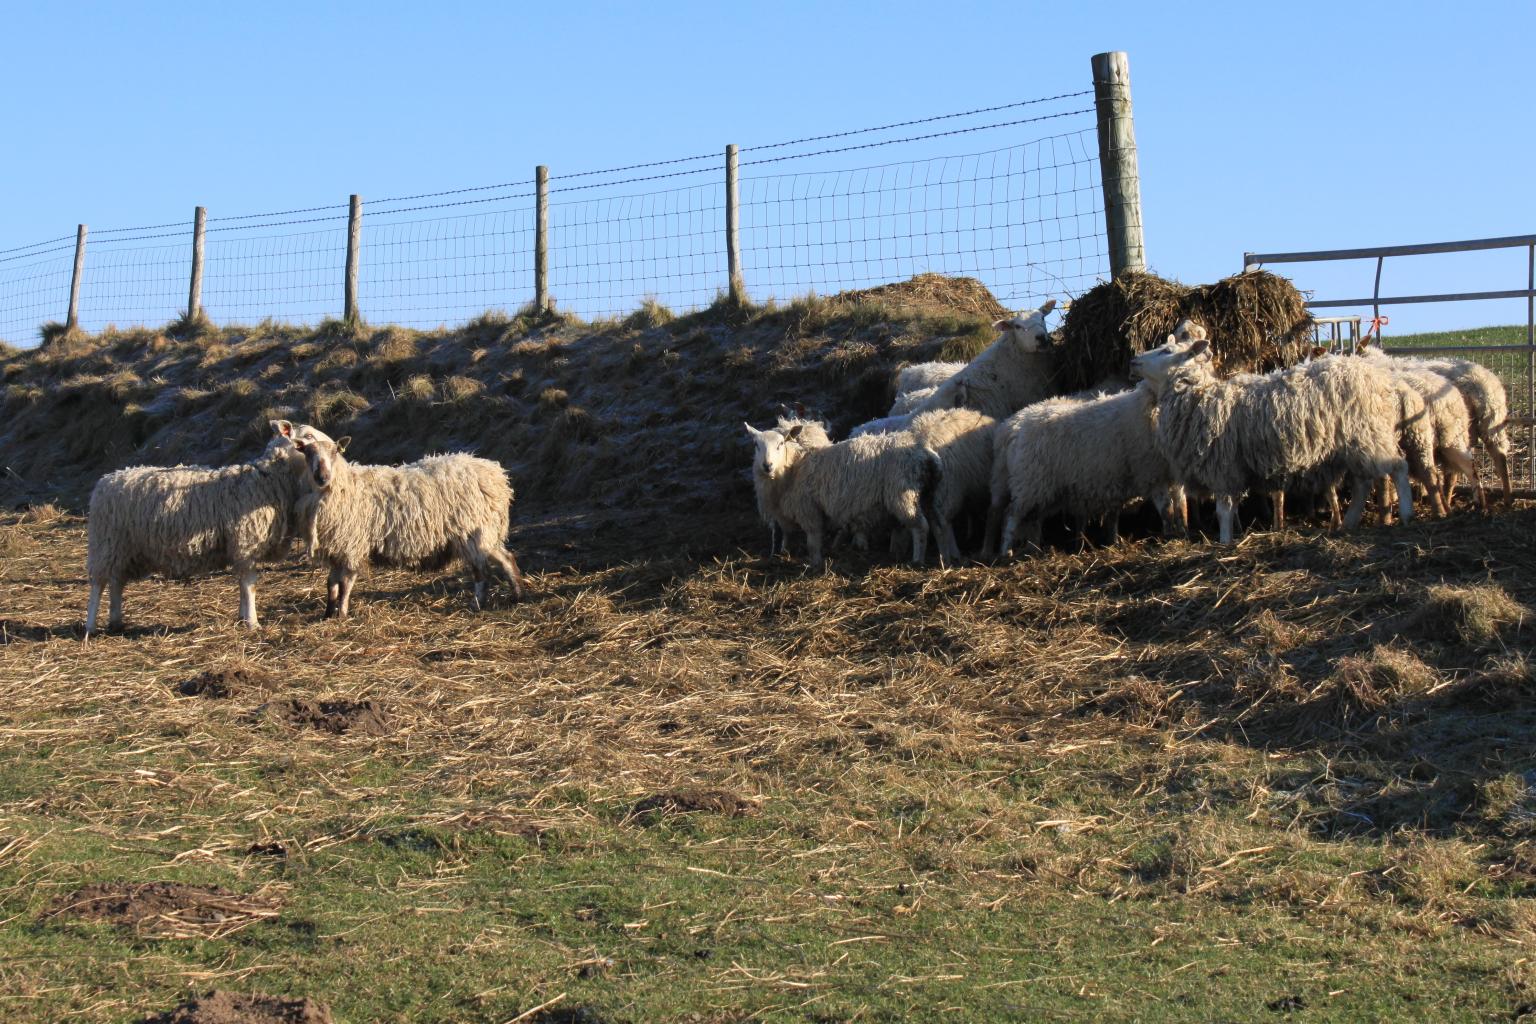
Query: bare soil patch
(225, 682)
(166, 909)
(220, 1007)
(691, 801)
(337, 717)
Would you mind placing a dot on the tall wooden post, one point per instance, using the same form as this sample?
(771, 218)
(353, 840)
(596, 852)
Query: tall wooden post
(354, 242)
(195, 290)
(738, 289)
(73, 319)
(1117, 162)
(541, 240)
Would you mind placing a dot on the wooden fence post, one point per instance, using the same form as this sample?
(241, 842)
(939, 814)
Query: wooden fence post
(738, 290)
(195, 290)
(73, 319)
(354, 242)
(541, 241)
(1117, 162)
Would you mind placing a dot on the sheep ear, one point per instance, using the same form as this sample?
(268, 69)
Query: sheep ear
(1001, 325)
(1173, 339)
(1199, 348)
(799, 410)
(282, 428)
(751, 430)
(1318, 351)
(794, 432)
(341, 445)
(1050, 304)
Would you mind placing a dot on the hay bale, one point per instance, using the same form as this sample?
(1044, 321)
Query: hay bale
(1258, 321)
(933, 293)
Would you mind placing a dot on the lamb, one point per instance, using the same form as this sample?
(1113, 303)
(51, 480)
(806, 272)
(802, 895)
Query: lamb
(1485, 399)
(962, 438)
(1267, 430)
(854, 484)
(183, 520)
(1087, 457)
(813, 434)
(421, 515)
(1015, 370)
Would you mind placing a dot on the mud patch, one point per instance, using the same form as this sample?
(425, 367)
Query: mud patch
(219, 1007)
(692, 801)
(12, 630)
(223, 683)
(165, 909)
(336, 717)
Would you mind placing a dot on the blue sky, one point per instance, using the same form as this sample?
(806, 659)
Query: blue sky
(1260, 126)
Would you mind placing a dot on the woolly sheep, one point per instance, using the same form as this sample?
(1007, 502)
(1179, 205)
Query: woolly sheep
(183, 520)
(1267, 430)
(421, 515)
(922, 376)
(854, 484)
(962, 438)
(899, 422)
(1015, 370)
(1483, 394)
(1448, 418)
(1087, 458)
(906, 401)
(813, 434)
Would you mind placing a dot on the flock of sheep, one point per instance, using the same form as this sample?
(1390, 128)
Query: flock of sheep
(990, 434)
(987, 434)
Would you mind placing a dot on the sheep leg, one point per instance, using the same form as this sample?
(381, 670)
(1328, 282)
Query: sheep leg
(1459, 462)
(1335, 518)
(115, 604)
(1011, 523)
(1501, 465)
(332, 593)
(1426, 477)
(1111, 529)
(1226, 512)
(507, 562)
(248, 600)
(1360, 490)
(1383, 502)
(944, 534)
(1404, 491)
(344, 594)
(994, 528)
(1277, 503)
(92, 607)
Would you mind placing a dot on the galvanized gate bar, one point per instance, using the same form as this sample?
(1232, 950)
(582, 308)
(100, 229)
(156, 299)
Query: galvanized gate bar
(1471, 245)
(1401, 300)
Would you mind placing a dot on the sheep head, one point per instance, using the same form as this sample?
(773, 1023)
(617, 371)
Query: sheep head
(1027, 330)
(775, 450)
(322, 456)
(1188, 330)
(1155, 365)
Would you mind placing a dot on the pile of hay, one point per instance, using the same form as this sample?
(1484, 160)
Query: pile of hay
(1258, 321)
(933, 293)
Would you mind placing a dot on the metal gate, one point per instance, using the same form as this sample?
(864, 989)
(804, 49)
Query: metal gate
(1514, 363)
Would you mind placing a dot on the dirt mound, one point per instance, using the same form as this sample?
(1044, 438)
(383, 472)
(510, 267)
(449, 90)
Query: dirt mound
(220, 1007)
(12, 630)
(165, 909)
(690, 801)
(225, 682)
(933, 293)
(337, 717)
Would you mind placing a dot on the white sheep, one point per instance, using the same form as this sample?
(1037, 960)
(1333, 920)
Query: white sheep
(856, 484)
(813, 434)
(906, 401)
(1267, 430)
(1015, 370)
(1483, 394)
(921, 376)
(184, 520)
(421, 515)
(962, 438)
(1085, 457)
(1448, 418)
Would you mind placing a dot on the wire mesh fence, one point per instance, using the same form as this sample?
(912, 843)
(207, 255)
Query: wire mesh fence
(1023, 212)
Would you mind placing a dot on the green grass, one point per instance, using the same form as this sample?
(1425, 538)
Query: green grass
(1513, 334)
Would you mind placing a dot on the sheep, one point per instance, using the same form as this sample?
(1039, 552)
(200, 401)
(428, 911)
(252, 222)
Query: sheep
(921, 376)
(1448, 418)
(421, 515)
(896, 423)
(963, 440)
(183, 520)
(1483, 394)
(1015, 370)
(906, 401)
(1266, 430)
(813, 434)
(1088, 457)
(854, 484)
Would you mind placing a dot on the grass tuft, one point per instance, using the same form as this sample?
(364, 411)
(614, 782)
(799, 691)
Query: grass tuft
(1471, 615)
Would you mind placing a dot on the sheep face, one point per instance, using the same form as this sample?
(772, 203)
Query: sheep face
(1154, 365)
(775, 450)
(1188, 330)
(322, 456)
(285, 437)
(1027, 329)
